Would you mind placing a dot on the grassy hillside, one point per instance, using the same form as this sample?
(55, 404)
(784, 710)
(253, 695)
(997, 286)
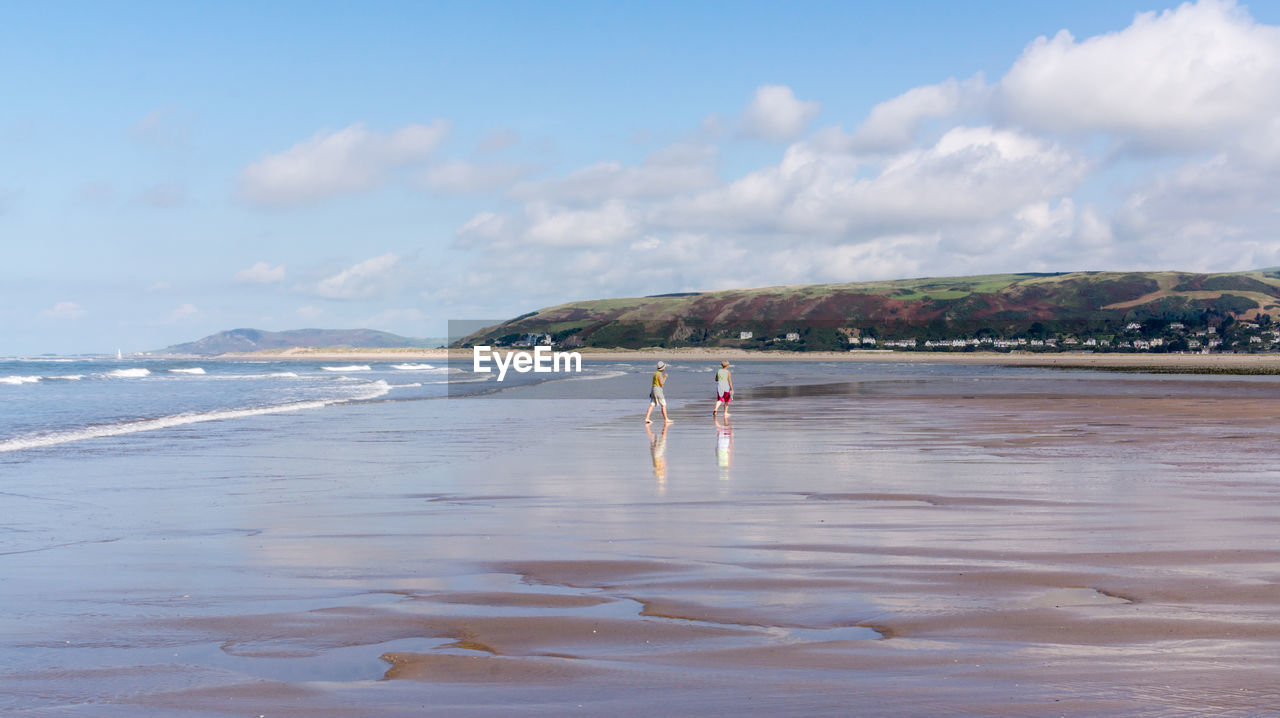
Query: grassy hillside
(825, 315)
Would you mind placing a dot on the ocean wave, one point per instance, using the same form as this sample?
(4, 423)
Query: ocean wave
(416, 367)
(602, 375)
(193, 370)
(372, 391)
(67, 377)
(19, 380)
(273, 375)
(406, 386)
(349, 367)
(129, 373)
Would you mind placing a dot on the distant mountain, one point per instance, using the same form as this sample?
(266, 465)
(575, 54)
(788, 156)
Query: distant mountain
(824, 316)
(252, 340)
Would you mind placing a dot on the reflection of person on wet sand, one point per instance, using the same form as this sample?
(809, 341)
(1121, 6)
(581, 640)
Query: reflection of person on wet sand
(658, 449)
(656, 398)
(724, 447)
(724, 388)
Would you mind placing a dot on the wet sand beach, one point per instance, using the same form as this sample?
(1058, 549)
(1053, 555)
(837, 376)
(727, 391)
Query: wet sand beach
(857, 540)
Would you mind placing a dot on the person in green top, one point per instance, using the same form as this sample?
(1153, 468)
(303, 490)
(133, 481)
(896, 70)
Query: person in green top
(655, 394)
(724, 388)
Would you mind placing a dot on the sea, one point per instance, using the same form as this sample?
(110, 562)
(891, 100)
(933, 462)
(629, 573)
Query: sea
(63, 401)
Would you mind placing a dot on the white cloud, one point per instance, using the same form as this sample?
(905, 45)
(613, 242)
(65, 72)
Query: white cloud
(776, 114)
(892, 125)
(261, 273)
(1156, 146)
(309, 312)
(1184, 78)
(184, 311)
(1214, 214)
(672, 171)
(64, 310)
(558, 227)
(359, 281)
(970, 174)
(459, 177)
(331, 164)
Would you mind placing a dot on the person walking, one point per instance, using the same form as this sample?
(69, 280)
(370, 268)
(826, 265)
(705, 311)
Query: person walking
(656, 397)
(724, 388)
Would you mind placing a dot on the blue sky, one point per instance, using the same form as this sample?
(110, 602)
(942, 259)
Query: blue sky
(168, 170)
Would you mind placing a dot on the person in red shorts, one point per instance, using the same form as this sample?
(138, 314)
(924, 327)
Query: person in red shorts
(724, 388)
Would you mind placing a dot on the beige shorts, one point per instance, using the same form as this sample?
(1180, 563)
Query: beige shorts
(656, 397)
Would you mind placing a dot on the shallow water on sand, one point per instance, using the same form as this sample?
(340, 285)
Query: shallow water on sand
(896, 540)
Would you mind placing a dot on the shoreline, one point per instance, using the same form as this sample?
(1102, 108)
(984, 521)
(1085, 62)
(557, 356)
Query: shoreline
(1166, 363)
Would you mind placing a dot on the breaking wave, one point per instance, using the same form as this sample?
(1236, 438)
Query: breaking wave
(374, 390)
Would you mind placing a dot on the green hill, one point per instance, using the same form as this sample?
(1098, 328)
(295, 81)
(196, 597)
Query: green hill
(825, 315)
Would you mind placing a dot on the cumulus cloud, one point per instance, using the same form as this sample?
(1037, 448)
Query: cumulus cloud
(64, 310)
(558, 227)
(893, 124)
(969, 174)
(669, 172)
(1215, 214)
(1154, 146)
(776, 114)
(1181, 78)
(261, 273)
(182, 312)
(359, 281)
(332, 164)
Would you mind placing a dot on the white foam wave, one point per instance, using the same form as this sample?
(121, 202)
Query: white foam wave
(415, 367)
(349, 367)
(601, 375)
(15, 380)
(406, 386)
(374, 390)
(129, 373)
(67, 377)
(275, 375)
(193, 370)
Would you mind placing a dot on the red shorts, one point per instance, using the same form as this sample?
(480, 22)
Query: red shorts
(723, 397)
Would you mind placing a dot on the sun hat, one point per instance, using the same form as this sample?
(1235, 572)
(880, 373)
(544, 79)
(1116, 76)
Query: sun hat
(662, 365)
(724, 362)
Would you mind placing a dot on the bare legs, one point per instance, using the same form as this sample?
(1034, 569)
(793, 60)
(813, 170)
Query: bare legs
(665, 420)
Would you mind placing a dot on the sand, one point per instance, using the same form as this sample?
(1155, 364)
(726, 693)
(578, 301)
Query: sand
(963, 543)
